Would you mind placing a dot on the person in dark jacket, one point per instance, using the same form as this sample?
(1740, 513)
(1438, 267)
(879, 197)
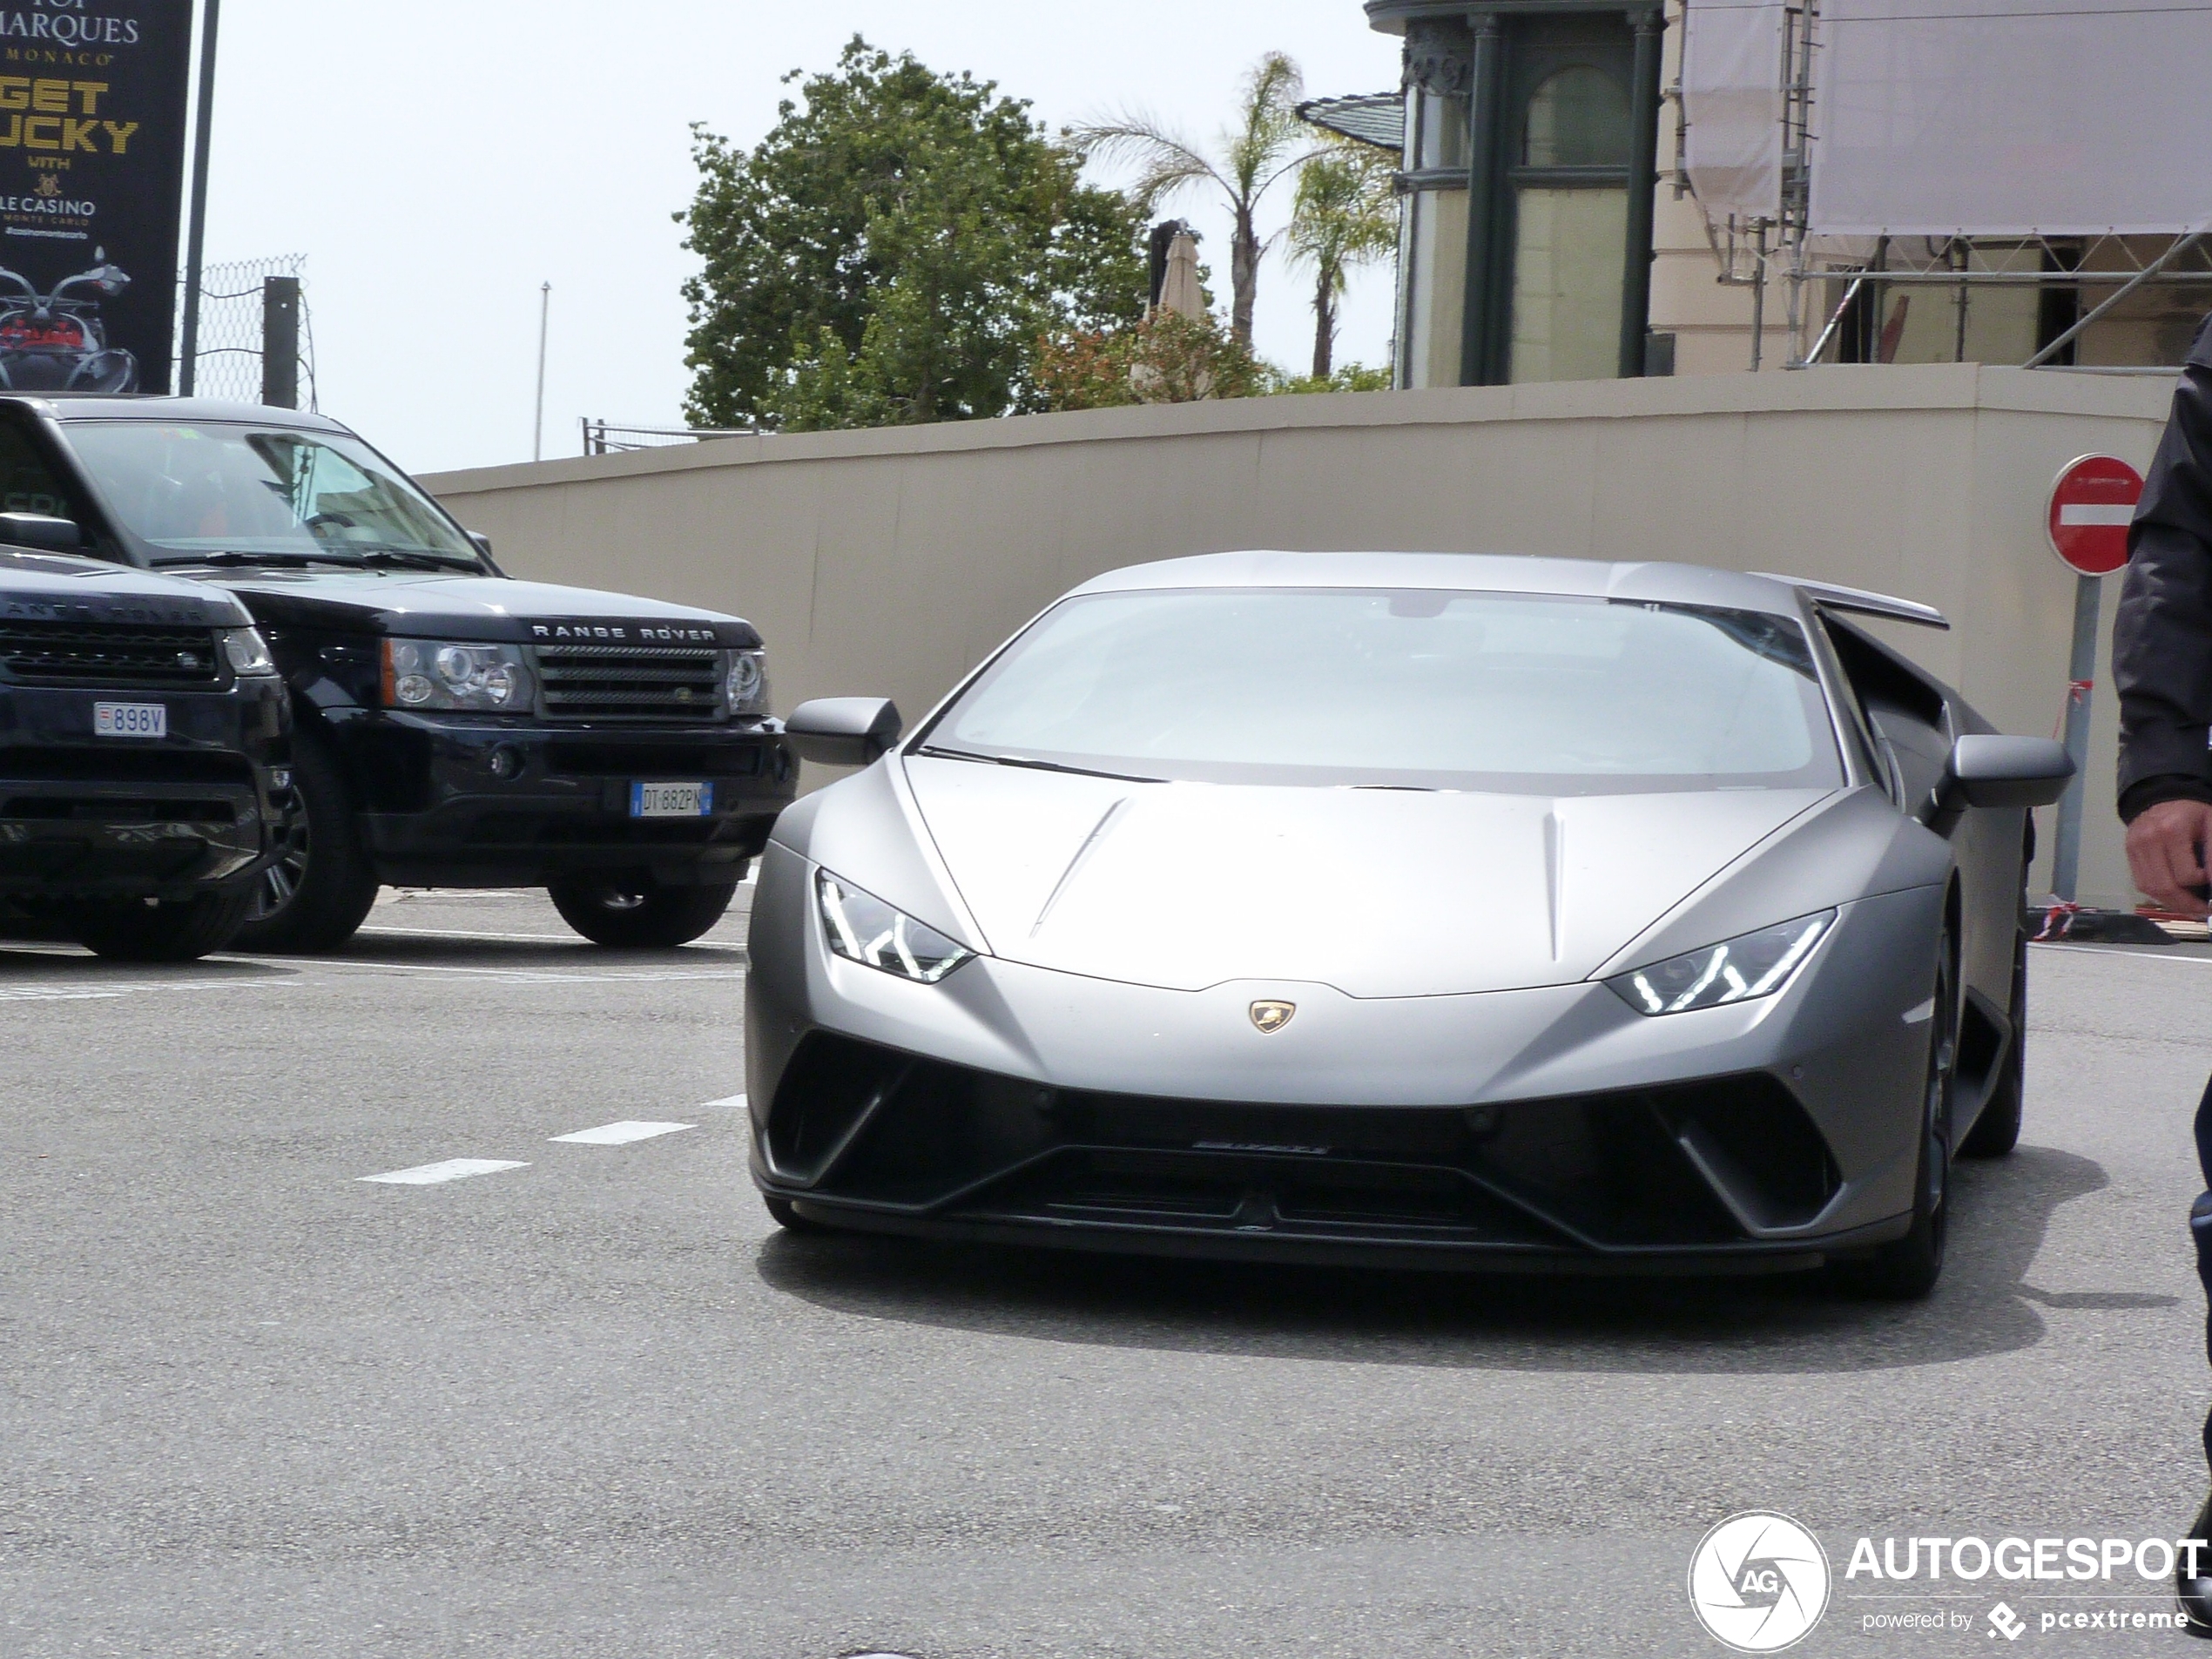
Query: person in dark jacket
(2161, 665)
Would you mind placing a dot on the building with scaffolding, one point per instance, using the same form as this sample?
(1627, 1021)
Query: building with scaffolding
(1595, 192)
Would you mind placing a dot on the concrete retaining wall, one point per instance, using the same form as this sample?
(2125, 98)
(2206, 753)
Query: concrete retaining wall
(890, 562)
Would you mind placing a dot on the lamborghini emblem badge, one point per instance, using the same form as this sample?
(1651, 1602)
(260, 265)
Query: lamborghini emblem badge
(1271, 1017)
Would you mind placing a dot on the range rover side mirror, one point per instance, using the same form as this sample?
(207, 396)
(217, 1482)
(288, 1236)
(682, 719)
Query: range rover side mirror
(41, 530)
(844, 731)
(1990, 771)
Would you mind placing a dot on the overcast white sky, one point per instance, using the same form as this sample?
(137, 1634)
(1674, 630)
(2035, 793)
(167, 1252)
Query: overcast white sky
(435, 160)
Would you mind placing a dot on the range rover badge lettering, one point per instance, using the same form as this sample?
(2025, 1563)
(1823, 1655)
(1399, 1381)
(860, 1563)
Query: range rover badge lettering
(1271, 1017)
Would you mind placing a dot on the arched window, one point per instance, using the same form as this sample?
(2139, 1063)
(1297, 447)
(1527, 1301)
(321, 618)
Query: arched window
(1570, 214)
(1577, 117)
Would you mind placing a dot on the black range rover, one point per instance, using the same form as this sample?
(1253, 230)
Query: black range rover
(453, 727)
(143, 753)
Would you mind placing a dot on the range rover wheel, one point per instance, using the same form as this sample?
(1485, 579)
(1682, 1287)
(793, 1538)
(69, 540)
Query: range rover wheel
(636, 913)
(318, 892)
(178, 931)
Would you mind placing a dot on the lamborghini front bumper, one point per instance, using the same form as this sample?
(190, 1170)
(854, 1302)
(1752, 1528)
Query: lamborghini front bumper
(1547, 1128)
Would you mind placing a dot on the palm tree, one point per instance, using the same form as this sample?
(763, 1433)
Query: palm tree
(1264, 146)
(1346, 214)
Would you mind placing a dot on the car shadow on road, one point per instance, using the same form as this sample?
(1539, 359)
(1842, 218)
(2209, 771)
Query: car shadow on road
(26, 966)
(1802, 1323)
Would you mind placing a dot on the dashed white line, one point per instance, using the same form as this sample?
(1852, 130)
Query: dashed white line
(730, 1102)
(621, 1134)
(428, 1175)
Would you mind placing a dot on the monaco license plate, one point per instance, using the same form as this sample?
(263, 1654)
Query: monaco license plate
(671, 800)
(129, 719)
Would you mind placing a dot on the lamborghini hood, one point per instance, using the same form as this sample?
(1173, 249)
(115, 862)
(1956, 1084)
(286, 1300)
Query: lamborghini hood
(1378, 892)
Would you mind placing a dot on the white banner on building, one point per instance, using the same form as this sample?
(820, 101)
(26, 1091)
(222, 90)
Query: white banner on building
(2010, 116)
(1732, 76)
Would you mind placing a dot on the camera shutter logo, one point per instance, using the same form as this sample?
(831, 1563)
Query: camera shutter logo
(1758, 1582)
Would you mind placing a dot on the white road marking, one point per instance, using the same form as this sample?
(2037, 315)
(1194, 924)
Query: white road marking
(621, 1134)
(428, 1175)
(1921, 1013)
(2154, 953)
(732, 1102)
(470, 933)
(59, 996)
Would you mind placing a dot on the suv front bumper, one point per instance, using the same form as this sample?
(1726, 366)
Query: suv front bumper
(164, 818)
(452, 802)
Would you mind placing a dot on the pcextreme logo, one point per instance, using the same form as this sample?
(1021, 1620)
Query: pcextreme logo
(1758, 1582)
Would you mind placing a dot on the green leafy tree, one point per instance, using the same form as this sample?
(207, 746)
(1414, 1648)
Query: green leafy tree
(894, 251)
(1265, 145)
(1345, 214)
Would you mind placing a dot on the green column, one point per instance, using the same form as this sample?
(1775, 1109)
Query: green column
(1644, 183)
(1480, 354)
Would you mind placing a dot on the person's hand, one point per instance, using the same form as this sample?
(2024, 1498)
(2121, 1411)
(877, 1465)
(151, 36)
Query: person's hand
(2165, 853)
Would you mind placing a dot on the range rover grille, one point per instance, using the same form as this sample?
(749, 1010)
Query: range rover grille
(72, 653)
(631, 682)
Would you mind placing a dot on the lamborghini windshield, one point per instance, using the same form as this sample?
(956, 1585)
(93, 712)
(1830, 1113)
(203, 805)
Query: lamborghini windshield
(197, 490)
(1428, 689)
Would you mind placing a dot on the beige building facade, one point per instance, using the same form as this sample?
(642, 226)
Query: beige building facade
(892, 561)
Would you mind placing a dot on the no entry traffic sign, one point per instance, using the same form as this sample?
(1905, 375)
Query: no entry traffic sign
(2091, 505)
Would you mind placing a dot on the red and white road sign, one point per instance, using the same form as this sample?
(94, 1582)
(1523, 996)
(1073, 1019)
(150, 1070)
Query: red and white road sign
(2092, 504)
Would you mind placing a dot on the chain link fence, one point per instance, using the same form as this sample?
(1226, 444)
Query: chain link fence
(231, 325)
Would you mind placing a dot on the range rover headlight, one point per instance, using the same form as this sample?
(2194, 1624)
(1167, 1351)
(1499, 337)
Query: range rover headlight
(862, 928)
(248, 651)
(748, 686)
(436, 674)
(1738, 970)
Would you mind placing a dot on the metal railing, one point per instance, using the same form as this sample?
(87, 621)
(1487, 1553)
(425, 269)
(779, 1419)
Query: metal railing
(605, 438)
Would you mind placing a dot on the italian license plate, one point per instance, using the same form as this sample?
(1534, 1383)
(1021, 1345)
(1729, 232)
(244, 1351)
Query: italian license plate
(129, 719)
(671, 800)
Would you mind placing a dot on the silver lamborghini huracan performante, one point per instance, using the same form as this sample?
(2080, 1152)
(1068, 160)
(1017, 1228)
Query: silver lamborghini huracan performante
(1413, 909)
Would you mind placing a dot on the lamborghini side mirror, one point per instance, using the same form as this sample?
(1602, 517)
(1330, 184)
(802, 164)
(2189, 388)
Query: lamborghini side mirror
(844, 731)
(1995, 771)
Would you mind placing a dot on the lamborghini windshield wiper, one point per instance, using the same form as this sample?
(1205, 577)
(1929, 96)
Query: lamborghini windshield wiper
(1034, 766)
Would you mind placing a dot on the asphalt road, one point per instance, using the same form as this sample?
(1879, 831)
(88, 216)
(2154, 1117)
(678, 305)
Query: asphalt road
(592, 1405)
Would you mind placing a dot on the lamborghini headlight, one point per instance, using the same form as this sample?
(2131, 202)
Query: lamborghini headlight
(748, 683)
(1752, 965)
(437, 674)
(862, 928)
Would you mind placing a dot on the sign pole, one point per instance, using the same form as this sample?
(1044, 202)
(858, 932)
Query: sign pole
(2092, 503)
(196, 235)
(2081, 670)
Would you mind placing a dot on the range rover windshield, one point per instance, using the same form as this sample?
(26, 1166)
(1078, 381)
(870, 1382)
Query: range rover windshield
(1423, 689)
(214, 492)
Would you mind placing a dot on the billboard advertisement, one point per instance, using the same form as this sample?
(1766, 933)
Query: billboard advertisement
(92, 137)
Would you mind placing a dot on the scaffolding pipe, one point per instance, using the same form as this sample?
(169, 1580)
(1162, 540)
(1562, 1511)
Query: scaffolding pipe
(2181, 244)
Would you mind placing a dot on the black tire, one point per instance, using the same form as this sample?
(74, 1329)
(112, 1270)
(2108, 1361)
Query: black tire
(636, 913)
(785, 1215)
(1997, 1131)
(174, 931)
(318, 894)
(1907, 1269)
